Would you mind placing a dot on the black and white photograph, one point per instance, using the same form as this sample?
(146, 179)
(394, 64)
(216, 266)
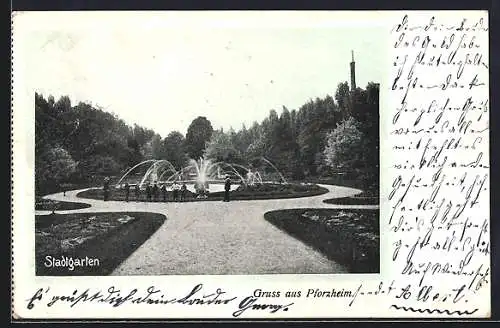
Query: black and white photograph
(283, 165)
(217, 150)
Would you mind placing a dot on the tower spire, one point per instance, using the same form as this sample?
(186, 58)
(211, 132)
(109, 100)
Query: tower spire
(352, 55)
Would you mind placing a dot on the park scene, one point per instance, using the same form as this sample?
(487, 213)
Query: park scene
(293, 193)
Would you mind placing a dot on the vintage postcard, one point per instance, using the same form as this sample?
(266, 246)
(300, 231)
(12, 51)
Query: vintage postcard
(242, 165)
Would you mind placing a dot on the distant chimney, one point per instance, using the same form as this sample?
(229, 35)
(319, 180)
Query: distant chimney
(353, 73)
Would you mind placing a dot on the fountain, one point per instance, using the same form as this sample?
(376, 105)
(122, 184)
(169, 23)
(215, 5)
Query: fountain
(198, 175)
(253, 178)
(283, 180)
(152, 174)
(132, 169)
(157, 169)
(204, 178)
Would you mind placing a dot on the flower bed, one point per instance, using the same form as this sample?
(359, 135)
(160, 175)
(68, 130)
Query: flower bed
(43, 204)
(349, 237)
(261, 191)
(108, 237)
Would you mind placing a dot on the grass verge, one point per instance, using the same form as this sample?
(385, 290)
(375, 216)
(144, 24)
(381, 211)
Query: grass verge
(109, 237)
(359, 199)
(349, 237)
(54, 205)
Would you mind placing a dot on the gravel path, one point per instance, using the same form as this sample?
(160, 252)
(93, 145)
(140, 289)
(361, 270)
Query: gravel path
(212, 237)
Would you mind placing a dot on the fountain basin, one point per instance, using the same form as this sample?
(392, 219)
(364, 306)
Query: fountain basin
(270, 190)
(213, 187)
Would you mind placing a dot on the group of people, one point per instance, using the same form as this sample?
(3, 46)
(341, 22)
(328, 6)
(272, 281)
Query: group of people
(153, 192)
(179, 191)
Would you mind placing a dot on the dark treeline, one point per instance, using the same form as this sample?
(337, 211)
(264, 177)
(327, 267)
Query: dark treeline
(323, 137)
(82, 143)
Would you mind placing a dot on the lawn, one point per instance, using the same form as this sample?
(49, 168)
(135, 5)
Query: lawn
(364, 198)
(352, 180)
(349, 237)
(264, 191)
(108, 237)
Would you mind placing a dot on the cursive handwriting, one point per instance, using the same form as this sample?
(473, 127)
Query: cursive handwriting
(438, 202)
(252, 303)
(116, 297)
(153, 296)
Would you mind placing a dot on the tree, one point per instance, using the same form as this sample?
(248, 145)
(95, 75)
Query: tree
(54, 166)
(373, 90)
(344, 146)
(156, 146)
(134, 152)
(342, 97)
(142, 135)
(44, 124)
(98, 141)
(221, 148)
(147, 150)
(242, 139)
(63, 104)
(285, 128)
(99, 165)
(309, 143)
(199, 132)
(173, 149)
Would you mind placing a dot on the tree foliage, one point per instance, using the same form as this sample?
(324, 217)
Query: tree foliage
(54, 166)
(342, 96)
(198, 133)
(324, 134)
(220, 147)
(90, 141)
(99, 165)
(173, 149)
(344, 146)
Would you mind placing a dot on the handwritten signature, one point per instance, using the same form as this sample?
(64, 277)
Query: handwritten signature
(153, 296)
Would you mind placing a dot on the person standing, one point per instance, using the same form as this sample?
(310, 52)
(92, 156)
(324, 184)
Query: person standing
(155, 192)
(227, 189)
(137, 192)
(183, 191)
(164, 192)
(106, 188)
(175, 191)
(148, 192)
(127, 191)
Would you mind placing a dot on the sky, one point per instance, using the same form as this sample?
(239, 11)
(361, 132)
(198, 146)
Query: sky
(162, 72)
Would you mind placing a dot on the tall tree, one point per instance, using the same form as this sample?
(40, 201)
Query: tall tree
(242, 139)
(342, 96)
(53, 167)
(199, 132)
(156, 146)
(173, 149)
(344, 146)
(220, 147)
(96, 141)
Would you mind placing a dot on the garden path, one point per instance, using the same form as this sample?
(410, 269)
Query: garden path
(213, 237)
